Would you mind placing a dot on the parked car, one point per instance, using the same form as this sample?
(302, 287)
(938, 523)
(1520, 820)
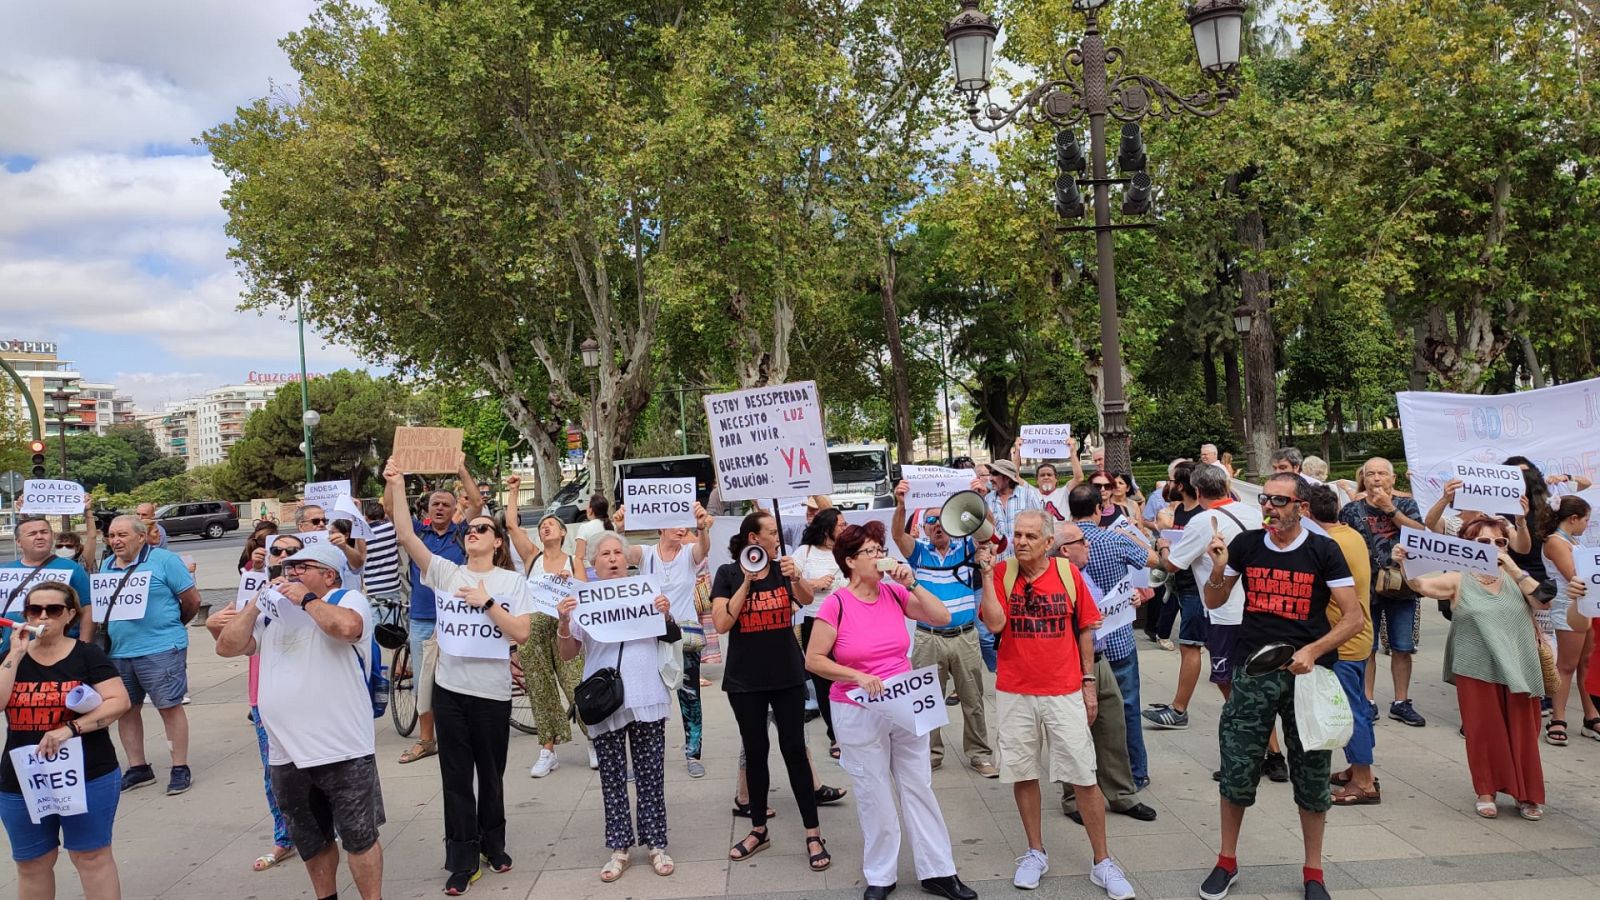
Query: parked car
(568, 504)
(207, 518)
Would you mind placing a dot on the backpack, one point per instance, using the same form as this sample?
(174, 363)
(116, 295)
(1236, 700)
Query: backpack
(371, 666)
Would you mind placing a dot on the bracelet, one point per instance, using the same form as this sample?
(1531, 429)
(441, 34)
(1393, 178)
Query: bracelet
(73, 727)
(1089, 678)
(1213, 583)
(565, 635)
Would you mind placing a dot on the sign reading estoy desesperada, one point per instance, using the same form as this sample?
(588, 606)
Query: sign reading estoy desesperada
(768, 442)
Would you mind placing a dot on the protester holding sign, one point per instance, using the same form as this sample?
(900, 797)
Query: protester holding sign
(484, 603)
(860, 639)
(814, 556)
(310, 518)
(37, 562)
(152, 652)
(1574, 645)
(639, 723)
(1492, 657)
(37, 678)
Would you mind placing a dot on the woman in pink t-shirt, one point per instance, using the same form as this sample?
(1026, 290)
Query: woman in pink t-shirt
(859, 640)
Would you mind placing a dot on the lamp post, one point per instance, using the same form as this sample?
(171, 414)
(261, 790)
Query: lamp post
(1243, 319)
(60, 403)
(1103, 89)
(309, 418)
(590, 350)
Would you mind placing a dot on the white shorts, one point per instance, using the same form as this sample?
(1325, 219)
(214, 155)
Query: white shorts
(1051, 730)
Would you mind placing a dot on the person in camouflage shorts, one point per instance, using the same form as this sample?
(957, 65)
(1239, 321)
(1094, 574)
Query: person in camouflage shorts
(1247, 720)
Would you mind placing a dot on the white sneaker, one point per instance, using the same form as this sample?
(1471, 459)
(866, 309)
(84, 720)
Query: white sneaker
(545, 764)
(1108, 874)
(1031, 866)
(594, 761)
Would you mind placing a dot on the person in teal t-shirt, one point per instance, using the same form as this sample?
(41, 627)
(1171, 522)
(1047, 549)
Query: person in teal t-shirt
(36, 544)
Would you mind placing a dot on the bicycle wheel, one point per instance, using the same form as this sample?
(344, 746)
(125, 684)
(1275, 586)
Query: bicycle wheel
(521, 703)
(402, 692)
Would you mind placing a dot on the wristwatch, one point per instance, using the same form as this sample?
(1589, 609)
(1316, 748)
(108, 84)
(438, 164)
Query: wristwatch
(1090, 678)
(306, 600)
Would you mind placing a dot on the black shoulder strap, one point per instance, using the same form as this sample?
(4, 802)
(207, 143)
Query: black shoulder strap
(128, 573)
(1224, 511)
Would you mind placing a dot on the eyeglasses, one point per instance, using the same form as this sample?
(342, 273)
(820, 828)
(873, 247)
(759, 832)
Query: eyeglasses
(872, 551)
(1070, 543)
(283, 551)
(1278, 501)
(1500, 542)
(45, 611)
(1101, 484)
(316, 521)
(930, 520)
(481, 528)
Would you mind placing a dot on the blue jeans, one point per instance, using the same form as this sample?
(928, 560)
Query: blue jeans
(1127, 672)
(991, 656)
(1352, 677)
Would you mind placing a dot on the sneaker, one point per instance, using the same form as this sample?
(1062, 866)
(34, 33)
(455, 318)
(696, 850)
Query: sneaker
(1109, 875)
(460, 882)
(1372, 712)
(594, 761)
(1216, 885)
(186, 700)
(138, 777)
(180, 781)
(986, 769)
(1166, 644)
(1167, 717)
(695, 767)
(499, 864)
(545, 764)
(1216, 775)
(1401, 711)
(1276, 768)
(1316, 890)
(1031, 866)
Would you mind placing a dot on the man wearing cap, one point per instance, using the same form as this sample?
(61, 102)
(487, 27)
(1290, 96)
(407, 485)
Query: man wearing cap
(317, 712)
(939, 565)
(1006, 495)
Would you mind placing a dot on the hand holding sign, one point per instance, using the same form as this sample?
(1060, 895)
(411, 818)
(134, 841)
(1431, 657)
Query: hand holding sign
(1489, 488)
(659, 502)
(47, 497)
(1426, 552)
(912, 700)
(1046, 441)
(476, 596)
(52, 784)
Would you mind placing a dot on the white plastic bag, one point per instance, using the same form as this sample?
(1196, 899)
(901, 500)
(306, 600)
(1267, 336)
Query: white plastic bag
(1322, 712)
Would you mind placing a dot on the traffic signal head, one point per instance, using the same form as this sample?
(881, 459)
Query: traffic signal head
(1136, 199)
(1130, 155)
(1069, 156)
(1069, 203)
(37, 448)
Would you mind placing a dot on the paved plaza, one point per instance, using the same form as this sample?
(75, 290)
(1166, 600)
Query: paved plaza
(1424, 841)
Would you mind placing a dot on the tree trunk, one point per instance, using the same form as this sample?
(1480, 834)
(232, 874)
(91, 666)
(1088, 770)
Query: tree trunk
(897, 354)
(1230, 377)
(1208, 370)
(1327, 425)
(1261, 376)
(1338, 425)
(1418, 378)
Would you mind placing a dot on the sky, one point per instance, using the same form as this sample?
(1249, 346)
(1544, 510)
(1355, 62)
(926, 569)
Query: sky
(112, 239)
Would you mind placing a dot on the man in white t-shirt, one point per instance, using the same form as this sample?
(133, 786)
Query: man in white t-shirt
(317, 712)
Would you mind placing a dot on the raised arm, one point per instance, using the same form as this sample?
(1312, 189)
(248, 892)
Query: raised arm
(91, 534)
(1217, 588)
(519, 535)
(897, 527)
(1435, 516)
(394, 494)
(702, 545)
(989, 607)
(472, 499)
(1077, 464)
(237, 637)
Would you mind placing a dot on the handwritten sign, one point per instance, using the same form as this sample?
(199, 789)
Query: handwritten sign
(52, 785)
(250, 584)
(1046, 441)
(325, 493)
(1588, 563)
(547, 590)
(1116, 608)
(621, 609)
(933, 489)
(911, 700)
(10, 580)
(45, 497)
(1489, 488)
(469, 632)
(768, 442)
(427, 450)
(131, 602)
(1427, 552)
(658, 503)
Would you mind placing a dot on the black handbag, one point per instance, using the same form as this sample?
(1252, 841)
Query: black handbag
(599, 695)
(102, 634)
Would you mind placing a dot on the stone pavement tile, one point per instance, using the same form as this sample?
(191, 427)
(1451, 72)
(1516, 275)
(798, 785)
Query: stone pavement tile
(1469, 868)
(1450, 835)
(1555, 832)
(1343, 843)
(1498, 890)
(691, 879)
(1156, 852)
(1578, 861)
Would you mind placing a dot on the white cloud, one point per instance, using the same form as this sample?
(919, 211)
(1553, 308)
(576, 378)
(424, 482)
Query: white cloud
(60, 196)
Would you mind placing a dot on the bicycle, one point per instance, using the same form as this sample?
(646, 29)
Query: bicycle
(402, 680)
(521, 701)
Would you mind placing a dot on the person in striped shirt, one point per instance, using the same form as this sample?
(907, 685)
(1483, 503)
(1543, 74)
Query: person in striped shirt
(381, 577)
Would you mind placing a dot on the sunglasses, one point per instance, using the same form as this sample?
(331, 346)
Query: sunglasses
(1502, 543)
(1101, 484)
(284, 551)
(481, 528)
(65, 547)
(45, 611)
(1276, 500)
(1070, 543)
(930, 520)
(316, 521)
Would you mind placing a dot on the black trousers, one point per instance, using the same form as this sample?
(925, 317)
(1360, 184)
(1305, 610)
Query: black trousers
(473, 735)
(788, 707)
(818, 683)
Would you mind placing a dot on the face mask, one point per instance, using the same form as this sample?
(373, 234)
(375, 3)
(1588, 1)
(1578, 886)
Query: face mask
(64, 552)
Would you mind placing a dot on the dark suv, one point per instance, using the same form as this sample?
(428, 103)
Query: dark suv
(207, 518)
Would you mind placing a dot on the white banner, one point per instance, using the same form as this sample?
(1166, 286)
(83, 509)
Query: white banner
(768, 442)
(131, 602)
(1046, 442)
(250, 584)
(911, 700)
(547, 590)
(11, 579)
(622, 609)
(1428, 552)
(326, 493)
(465, 631)
(1588, 563)
(44, 497)
(1116, 608)
(649, 503)
(52, 785)
(911, 472)
(931, 493)
(1490, 488)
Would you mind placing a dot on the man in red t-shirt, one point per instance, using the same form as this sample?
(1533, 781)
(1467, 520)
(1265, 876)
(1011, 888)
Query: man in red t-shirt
(1045, 627)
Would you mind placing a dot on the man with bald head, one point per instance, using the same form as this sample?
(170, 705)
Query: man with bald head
(151, 650)
(1378, 517)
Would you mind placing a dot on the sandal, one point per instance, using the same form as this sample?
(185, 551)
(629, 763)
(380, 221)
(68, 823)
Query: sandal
(1591, 728)
(829, 794)
(743, 811)
(661, 862)
(833, 751)
(744, 849)
(615, 866)
(1555, 733)
(268, 860)
(1352, 795)
(1486, 809)
(1533, 812)
(420, 750)
(1340, 779)
(821, 859)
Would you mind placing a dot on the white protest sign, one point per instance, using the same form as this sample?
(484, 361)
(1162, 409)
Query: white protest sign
(131, 601)
(11, 580)
(469, 632)
(326, 493)
(911, 472)
(1172, 536)
(45, 497)
(1116, 608)
(621, 609)
(933, 492)
(547, 590)
(1139, 578)
(1046, 441)
(311, 538)
(658, 503)
(911, 700)
(768, 442)
(250, 584)
(52, 785)
(282, 610)
(1427, 552)
(1490, 488)
(346, 508)
(1588, 562)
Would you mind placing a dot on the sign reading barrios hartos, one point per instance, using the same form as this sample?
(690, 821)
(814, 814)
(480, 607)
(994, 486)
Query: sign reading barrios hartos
(279, 377)
(11, 345)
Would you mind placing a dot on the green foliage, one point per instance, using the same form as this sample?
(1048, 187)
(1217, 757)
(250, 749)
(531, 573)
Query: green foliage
(1176, 426)
(199, 483)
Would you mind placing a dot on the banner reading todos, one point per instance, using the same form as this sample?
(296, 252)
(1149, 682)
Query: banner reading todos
(44, 497)
(768, 442)
(621, 609)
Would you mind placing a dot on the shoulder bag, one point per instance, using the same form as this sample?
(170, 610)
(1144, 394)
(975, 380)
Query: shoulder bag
(599, 695)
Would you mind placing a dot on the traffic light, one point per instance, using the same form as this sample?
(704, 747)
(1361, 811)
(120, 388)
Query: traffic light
(1070, 164)
(1132, 160)
(37, 448)
(1136, 199)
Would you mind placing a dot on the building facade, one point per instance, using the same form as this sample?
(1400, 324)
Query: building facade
(219, 418)
(43, 376)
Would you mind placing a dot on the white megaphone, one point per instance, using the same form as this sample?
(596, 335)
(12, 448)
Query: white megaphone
(753, 558)
(966, 515)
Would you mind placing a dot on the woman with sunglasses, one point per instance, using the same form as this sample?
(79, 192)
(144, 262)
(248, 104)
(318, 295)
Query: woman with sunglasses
(818, 569)
(1108, 510)
(471, 694)
(35, 679)
(1492, 658)
(253, 557)
(1574, 638)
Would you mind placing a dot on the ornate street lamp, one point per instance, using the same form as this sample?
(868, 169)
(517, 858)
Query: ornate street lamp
(1242, 317)
(590, 351)
(1104, 89)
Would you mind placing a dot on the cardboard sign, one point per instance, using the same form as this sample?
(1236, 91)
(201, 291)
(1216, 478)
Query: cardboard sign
(45, 497)
(1489, 488)
(1046, 441)
(658, 503)
(1588, 562)
(282, 610)
(326, 493)
(52, 785)
(768, 442)
(621, 609)
(427, 451)
(911, 700)
(469, 632)
(1428, 552)
(250, 584)
(933, 492)
(1116, 608)
(131, 602)
(547, 590)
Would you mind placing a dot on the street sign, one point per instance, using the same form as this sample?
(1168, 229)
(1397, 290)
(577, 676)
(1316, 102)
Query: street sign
(574, 454)
(10, 482)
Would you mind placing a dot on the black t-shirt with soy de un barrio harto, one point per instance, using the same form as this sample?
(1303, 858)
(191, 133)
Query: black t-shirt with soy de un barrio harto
(39, 704)
(761, 651)
(1286, 590)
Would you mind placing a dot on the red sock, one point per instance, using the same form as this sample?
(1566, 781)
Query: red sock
(1309, 874)
(1231, 863)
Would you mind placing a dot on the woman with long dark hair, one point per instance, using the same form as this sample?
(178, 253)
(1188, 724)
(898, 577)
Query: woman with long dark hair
(821, 573)
(1574, 637)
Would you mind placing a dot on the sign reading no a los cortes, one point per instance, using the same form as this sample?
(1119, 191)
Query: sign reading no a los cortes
(768, 442)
